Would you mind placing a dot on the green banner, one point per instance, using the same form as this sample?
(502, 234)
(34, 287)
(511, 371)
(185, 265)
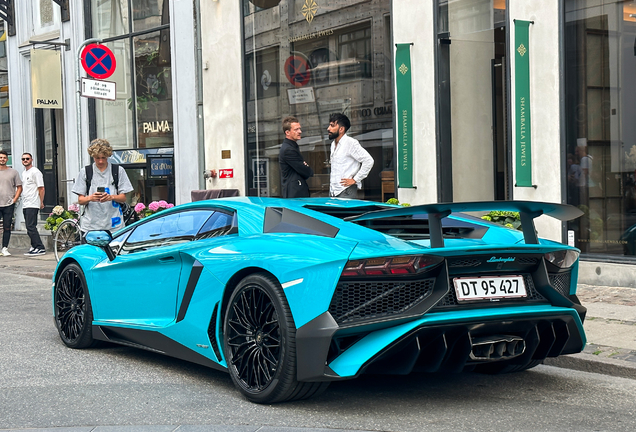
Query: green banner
(405, 115)
(523, 165)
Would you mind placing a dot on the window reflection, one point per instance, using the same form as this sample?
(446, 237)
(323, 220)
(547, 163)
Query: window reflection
(153, 83)
(310, 64)
(114, 118)
(168, 230)
(148, 14)
(600, 60)
(109, 18)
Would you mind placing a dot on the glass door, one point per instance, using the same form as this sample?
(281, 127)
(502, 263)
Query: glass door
(473, 143)
(46, 157)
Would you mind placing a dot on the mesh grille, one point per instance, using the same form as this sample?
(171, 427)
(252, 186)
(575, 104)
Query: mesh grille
(450, 299)
(527, 260)
(561, 282)
(212, 333)
(468, 262)
(358, 301)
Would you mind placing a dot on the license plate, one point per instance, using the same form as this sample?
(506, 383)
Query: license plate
(489, 288)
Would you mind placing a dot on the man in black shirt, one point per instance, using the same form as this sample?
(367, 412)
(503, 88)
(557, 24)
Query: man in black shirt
(294, 171)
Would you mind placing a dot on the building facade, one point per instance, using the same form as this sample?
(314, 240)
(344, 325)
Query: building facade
(152, 115)
(508, 100)
(496, 114)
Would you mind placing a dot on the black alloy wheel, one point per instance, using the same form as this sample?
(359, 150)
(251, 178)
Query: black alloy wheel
(73, 312)
(260, 343)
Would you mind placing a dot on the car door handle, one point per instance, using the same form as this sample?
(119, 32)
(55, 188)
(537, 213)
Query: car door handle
(167, 259)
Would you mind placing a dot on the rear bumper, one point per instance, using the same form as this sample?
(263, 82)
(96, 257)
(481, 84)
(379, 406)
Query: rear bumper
(437, 341)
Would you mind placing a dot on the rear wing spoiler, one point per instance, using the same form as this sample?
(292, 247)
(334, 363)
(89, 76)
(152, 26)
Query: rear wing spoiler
(528, 210)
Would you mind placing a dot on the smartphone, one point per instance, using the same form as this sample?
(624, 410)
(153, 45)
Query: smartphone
(101, 189)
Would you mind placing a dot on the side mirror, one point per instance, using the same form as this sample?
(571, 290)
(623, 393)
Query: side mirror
(102, 240)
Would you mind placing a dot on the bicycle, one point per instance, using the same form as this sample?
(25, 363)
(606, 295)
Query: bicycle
(67, 235)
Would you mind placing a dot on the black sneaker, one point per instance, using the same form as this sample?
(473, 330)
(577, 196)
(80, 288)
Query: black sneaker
(36, 252)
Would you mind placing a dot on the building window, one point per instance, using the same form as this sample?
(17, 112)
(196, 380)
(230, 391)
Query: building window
(354, 52)
(139, 122)
(141, 116)
(310, 64)
(600, 97)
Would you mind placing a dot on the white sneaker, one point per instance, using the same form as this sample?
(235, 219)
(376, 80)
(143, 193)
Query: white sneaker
(5, 252)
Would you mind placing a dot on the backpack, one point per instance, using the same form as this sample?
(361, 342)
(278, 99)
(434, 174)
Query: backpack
(127, 211)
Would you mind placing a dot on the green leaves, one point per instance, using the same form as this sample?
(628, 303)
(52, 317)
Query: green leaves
(506, 218)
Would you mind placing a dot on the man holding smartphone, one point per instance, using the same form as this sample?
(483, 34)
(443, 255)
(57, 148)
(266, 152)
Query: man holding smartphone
(97, 191)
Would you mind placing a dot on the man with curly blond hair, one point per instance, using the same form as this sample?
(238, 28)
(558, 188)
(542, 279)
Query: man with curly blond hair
(97, 192)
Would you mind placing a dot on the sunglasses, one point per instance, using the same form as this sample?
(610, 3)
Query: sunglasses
(26, 158)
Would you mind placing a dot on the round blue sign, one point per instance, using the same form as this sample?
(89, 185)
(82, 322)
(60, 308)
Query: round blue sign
(98, 61)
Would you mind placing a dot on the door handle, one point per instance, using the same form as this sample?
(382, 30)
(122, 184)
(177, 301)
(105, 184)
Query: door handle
(167, 259)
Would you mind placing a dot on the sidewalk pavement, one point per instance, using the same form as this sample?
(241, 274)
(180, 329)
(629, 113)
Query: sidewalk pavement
(610, 324)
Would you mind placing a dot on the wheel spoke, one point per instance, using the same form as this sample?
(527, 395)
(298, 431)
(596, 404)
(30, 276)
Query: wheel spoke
(253, 337)
(70, 305)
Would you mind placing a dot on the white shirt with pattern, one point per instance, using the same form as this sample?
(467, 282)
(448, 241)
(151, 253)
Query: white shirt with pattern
(348, 160)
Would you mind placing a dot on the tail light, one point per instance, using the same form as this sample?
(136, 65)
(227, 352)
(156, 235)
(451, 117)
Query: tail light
(562, 258)
(398, 265)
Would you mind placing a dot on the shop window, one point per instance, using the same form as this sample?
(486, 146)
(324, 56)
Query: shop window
(148, 14)
(153, 84)
(109, 18)
(114, 119)
(600, 150)
(319, 63)
(139, 123)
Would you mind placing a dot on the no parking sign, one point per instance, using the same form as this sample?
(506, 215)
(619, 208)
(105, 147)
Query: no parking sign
(98, 61)
(297, 70)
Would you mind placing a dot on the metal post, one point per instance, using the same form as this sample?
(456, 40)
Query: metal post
(78, 93)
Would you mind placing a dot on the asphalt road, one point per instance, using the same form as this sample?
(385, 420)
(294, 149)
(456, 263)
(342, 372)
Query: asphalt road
(43, 384)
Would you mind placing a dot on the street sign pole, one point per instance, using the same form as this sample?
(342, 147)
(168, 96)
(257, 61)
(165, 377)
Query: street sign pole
(78, 93)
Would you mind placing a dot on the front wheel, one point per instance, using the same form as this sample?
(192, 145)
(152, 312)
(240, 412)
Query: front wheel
(67, 235)
(260, 343)
(72, 308)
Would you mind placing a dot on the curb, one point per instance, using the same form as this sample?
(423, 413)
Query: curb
(592, 363)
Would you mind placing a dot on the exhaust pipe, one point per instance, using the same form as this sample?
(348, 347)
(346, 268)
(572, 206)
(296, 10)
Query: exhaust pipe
(498, 347)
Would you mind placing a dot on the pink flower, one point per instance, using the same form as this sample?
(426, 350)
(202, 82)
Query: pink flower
(170, 205)
(162, 204)
(74, 208)
(154, 206)
(140, 207)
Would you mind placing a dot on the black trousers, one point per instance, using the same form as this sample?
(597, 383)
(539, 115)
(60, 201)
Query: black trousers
(31, 222)
(7, 218)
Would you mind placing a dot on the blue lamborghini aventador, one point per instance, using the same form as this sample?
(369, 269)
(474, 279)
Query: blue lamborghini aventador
(290, 294)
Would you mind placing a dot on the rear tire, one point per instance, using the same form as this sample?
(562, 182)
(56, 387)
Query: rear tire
(260, 343)
(72, 308)
(67, 235)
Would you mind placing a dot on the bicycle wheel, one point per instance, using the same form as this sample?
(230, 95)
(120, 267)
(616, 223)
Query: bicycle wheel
(68, 234)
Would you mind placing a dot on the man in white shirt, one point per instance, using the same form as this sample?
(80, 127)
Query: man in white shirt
(32, 202)
(350, 162)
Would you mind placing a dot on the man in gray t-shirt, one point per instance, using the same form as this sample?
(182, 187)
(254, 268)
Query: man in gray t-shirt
(102, 210)
(10, 190)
